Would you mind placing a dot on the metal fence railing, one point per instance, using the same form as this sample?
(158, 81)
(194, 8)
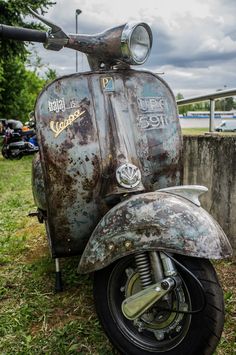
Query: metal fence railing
(211, 97)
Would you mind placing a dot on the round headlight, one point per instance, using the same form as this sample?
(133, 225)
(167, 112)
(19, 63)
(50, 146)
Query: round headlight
(136, 43)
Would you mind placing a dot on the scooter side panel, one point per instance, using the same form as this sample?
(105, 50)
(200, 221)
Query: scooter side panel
(70, 158)
(154, 221)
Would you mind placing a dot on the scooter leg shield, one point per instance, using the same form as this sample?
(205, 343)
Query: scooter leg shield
(154, 221)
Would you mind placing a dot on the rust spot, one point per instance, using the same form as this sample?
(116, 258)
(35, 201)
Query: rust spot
(58, 86)
(89, 184)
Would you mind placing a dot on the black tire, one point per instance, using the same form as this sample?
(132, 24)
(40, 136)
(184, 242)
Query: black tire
(18, 156)
(200, 332)
(5, 152)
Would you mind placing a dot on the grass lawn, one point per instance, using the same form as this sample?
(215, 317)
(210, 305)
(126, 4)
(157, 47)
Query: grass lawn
(194, 131)
(197, 131)
(34, 320)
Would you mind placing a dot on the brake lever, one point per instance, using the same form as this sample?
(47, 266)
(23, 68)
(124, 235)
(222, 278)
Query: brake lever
(56, 38)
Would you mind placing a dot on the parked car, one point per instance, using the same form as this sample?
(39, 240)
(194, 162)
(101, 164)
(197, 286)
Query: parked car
(225, 126)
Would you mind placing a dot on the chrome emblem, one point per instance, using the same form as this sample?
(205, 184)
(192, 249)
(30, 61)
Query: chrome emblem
(107, 83)
(128, 175)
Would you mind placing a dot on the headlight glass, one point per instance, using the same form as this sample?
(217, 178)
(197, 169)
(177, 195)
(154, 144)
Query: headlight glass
(139, 44)
(136, 42)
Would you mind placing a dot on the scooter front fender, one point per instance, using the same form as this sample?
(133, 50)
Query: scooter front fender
(154, 221)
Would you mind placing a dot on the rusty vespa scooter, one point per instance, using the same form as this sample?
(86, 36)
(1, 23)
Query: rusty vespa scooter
(108, 185)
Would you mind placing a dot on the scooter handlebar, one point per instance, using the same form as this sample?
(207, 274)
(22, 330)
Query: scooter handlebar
(22, 34)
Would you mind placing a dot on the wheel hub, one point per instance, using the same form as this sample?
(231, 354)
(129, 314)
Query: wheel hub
(164, 324)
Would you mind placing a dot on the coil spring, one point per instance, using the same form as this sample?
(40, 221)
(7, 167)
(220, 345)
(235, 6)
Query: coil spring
(143, 266)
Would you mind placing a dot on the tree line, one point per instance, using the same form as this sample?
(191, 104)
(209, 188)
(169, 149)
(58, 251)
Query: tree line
(226, 104)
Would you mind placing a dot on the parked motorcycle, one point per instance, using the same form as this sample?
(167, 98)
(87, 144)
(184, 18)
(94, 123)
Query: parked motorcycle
(17, 143)
(108, 185)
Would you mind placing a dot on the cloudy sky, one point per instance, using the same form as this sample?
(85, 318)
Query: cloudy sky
(194, 40)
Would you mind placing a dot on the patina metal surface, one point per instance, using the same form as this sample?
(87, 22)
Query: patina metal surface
(109, 47)
(38, 187)
(88, 125)
(190, 192)
(154, 221)
(104, 47)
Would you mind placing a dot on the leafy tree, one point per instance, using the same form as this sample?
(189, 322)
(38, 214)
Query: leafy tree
(13, 13)
(18, 96)
(225, 104)
(218, 105)
(1, 77)
(18, 86)
(50, 75)
(199, 106)
(184, 109)
(34, 62)
(179, 96)
(206, 105)
(228, 103)
(181, 109)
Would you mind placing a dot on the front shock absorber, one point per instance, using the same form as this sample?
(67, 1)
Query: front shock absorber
(143, 266)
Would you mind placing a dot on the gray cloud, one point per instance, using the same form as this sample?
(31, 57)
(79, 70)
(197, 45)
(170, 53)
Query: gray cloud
(194, 51)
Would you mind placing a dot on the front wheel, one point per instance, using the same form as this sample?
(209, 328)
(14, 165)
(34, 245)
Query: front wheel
(161, 331)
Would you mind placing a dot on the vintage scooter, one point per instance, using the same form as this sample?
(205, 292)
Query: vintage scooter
(108, 185)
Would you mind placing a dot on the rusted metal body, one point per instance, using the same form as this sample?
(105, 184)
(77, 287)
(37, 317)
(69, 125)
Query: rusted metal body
(154, 221)
(107, 47)
(88, 125)
(38, 186)
(103, 138)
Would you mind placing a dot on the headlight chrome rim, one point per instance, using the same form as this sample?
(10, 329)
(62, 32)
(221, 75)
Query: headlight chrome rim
(126, 44)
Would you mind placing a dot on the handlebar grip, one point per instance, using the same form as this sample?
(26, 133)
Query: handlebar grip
(22, 34)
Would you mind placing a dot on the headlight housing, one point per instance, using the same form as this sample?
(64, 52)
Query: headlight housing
(129, 43)
(136, 43)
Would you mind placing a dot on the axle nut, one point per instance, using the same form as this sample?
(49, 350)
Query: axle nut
(165, 285)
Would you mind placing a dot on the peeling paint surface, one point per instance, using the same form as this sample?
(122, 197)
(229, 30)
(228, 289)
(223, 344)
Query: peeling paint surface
(154, 221)
(86, 132)
(38, 184)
